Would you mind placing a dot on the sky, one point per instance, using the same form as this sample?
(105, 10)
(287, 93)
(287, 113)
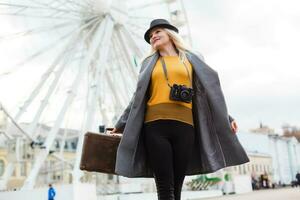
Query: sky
(253, 45)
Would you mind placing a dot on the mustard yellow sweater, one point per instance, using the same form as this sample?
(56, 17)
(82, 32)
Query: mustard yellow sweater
(159, 106)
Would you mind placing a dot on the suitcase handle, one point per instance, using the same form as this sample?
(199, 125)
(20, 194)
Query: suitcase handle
(109, 129)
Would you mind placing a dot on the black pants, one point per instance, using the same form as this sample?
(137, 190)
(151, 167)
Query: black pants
(168, 145)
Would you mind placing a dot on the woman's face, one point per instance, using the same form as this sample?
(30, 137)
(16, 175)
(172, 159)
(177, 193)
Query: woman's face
(159, 38)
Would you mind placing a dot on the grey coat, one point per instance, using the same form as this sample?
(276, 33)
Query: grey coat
(215, 146)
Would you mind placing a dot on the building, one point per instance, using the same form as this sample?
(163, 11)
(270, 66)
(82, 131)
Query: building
(275, 155)
(263, 129)
(56, 169)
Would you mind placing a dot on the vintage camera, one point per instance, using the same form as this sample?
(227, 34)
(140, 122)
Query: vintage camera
(181, 93)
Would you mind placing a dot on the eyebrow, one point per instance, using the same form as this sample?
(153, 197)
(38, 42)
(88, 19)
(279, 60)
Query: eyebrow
(153, 31)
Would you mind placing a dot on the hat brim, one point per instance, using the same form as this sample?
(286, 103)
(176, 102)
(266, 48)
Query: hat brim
(169, 26)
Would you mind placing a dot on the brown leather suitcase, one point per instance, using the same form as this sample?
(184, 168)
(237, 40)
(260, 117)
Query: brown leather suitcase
(99, 152)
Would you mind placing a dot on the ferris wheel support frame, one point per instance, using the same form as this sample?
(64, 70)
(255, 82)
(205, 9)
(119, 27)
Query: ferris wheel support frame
(101, 43)
(111, 87)
(120, 70)
(126, 70)
(126, 55)
(32, 96)
(42, 155)
(187, 23)
(44, 78)
(132, 42)
(15, 123)
(44, 102)
(113, 32)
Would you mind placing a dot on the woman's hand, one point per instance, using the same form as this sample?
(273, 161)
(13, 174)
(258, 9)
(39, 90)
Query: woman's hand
(115, 132)
(234, 126)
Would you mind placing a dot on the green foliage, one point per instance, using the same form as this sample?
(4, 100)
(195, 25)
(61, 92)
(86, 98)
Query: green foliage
(202, 182)
(227, 177)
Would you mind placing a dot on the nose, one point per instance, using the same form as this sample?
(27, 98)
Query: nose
(154, 37)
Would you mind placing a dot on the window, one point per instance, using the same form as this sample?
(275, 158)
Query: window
(73, 144)
(110, 176)
(23, 169)
(261, 168)
(66, 145)
(244, 169)
(57, 144)
(1, 167)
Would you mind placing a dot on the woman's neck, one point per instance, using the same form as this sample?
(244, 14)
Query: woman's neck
(168, 50)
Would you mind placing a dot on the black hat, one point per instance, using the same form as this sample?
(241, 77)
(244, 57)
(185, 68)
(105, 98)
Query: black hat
(159, 23)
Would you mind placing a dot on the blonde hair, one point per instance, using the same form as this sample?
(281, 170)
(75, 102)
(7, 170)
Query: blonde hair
(180, 45)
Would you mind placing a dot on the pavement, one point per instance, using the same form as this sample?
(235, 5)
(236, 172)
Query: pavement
(269, 194)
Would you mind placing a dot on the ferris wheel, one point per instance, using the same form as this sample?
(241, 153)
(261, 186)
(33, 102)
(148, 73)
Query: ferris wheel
(71, 64)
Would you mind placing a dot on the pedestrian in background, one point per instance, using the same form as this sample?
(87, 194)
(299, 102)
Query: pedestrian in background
(298, 178)
(51, 192)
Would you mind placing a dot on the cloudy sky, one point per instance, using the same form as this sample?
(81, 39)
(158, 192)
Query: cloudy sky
(254, 46)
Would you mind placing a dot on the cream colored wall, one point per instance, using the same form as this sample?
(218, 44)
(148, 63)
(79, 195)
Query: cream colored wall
(17, 180)
(257, 166)
(3, 156)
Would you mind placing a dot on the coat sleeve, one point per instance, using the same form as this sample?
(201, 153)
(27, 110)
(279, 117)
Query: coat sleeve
(120, 124)
(123, 119)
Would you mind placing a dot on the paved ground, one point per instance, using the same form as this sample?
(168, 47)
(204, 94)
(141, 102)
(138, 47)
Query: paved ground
(271, 194)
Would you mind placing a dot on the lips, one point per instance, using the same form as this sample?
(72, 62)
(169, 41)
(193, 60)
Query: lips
(155, 40)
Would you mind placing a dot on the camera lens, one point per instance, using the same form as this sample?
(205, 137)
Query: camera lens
(184, 94)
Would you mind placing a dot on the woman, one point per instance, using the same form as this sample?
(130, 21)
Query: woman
(176, 123)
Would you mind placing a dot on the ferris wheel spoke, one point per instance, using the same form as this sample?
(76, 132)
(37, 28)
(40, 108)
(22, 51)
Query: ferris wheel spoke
(35, 31)
(100, 59)
(118, 64)
(51, 4)
(140, 18)
(100, 41)
(113, 90)
(66, 4)
(147, 5)
(64, 59)
(136, 30)
(136, 26)
(87, 3)
(78, 5)
(38, 17)
(29, 182)
(139, 36)
(23, 7)
(126, 55)
(45, 76)
(38, 53)
(132, 42)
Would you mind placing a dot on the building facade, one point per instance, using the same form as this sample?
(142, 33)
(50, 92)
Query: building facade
(275, 155)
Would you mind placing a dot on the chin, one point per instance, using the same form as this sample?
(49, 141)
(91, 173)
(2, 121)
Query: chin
(157, 46)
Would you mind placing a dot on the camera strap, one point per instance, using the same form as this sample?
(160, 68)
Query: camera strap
(165, 71)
